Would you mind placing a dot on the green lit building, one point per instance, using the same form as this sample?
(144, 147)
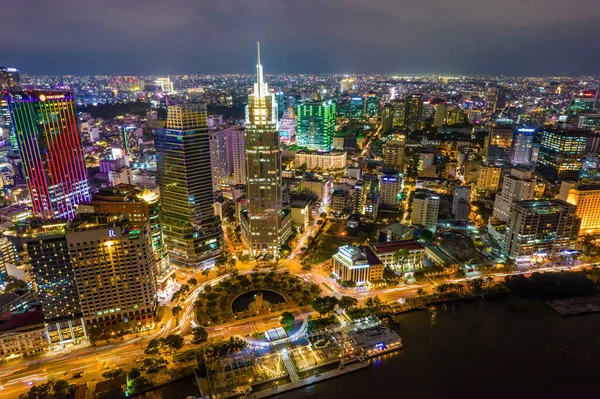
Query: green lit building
(316, 124)
(371, 105)
(191, 232)
(583, 103)
(561, 152)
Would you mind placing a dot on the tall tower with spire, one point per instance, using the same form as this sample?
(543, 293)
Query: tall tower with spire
(265, 224)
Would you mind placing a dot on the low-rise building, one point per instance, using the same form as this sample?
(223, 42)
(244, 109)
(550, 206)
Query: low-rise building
(22, 334)
(300, 214)
(321, 159)
(412, 259)
(358, 264)
(440, 258)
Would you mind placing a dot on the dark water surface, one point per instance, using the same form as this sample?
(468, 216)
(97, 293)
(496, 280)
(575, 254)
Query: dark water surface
(506, 349)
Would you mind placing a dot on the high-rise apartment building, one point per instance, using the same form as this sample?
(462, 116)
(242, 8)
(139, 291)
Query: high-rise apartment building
(497, 145)
(393, 152)
(488, 179)
(265, 225)
(238, 155)
(441, 115)
(425, 210)
(540, 229)
(522, 146)
(142, 206)
(46, 130)
(220, 159)
(316, 124)
(191, 232)
(492, 95)
(461, 202)
(586, 197)
(114, 268)
(389, 190)
(517, 186)
(44, 251)
(561, 152)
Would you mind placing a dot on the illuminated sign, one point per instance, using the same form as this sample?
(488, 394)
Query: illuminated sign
(44, 97)
(526, 130)
(112, 233)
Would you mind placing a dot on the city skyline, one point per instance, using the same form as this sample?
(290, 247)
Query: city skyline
(378, 36)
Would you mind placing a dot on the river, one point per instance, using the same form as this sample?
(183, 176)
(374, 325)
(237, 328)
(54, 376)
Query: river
(505, 349)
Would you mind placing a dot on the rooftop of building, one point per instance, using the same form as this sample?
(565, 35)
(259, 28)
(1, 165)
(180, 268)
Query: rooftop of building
(34, 316)
(320, 152)
(543, 205)
(398, 229)
(390, 247)
(9, 297)
(124, 193)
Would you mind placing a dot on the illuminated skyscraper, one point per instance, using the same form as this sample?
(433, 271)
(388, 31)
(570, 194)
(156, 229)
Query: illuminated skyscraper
(561, 152)
(191, 232)
(265, 226)
(357, 108)
(371, 105)
(414, 109)
(316, 124)
(50, 147)
(9, 80)
(522, 146)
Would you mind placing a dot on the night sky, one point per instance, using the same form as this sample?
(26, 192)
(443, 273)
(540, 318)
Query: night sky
(512, 37)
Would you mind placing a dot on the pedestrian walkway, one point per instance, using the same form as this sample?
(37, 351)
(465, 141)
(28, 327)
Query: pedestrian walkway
(291, 369)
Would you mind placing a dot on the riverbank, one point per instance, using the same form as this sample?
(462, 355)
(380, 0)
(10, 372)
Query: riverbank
(479, 348)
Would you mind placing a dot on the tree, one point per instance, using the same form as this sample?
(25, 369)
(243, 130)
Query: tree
(426, 236)
(347, 302)
(420, 292)
(200, 335)
(133, 373)
(175, 311)
(114, 373)
(286, 319)
(324, 305)
(192, 281)
(153, 347)
(174, 341)
(141, 384)
(348, 284)
(588, 242)
(400, 257)
(15, 285)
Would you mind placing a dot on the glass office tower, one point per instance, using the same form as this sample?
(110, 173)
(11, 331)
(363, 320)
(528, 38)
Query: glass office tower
(191, 232)
(265, 227)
